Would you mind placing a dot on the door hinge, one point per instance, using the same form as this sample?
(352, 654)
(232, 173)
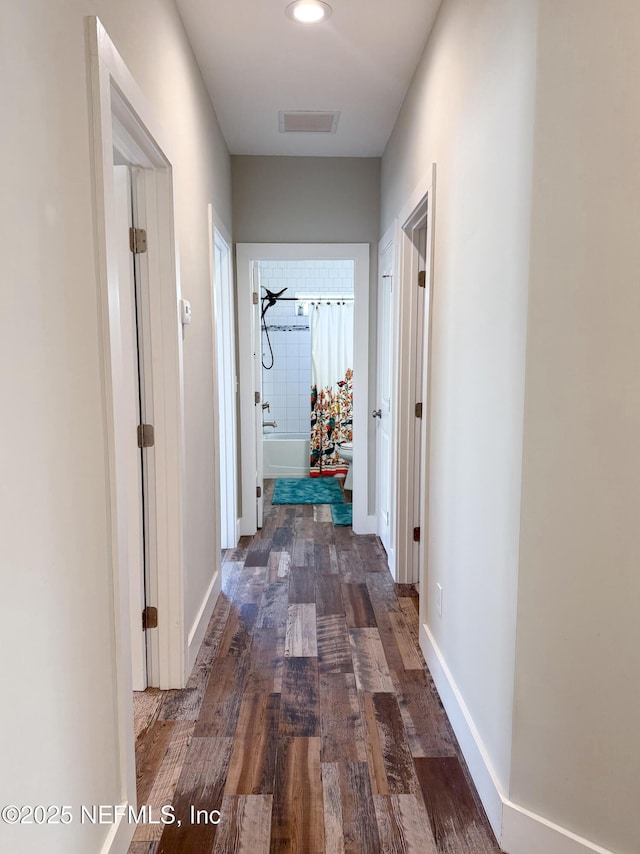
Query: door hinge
(422, 279)
(149, 618)
(416, 535)
(146, 438)
(418, 410)
(258, 492)
(138, 240)
(255, 298)
(256, 396)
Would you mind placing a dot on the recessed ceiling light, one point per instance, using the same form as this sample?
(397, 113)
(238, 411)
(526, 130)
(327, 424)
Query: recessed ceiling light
(308, 11)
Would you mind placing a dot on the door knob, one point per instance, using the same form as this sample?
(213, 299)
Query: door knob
(377, 413)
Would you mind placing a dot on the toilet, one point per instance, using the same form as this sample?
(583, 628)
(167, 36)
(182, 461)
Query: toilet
(345, 452)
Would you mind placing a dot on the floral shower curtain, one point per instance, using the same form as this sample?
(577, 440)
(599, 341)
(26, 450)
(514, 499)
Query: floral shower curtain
(331, 385)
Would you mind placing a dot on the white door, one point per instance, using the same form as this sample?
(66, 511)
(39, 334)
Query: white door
(131, 388)
(383, 397)
(257, 380)
(224, 309)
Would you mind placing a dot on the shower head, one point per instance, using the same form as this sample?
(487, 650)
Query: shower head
(267, 301)
(272, 298)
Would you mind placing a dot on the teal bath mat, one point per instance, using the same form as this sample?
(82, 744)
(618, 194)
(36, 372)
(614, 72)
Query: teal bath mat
(307, 490)
(342, 514)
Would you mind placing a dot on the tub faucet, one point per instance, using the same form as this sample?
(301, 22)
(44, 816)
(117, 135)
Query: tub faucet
(266, 405)
(269, 424)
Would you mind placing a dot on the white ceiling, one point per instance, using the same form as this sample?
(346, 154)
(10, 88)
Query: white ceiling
(256, 62)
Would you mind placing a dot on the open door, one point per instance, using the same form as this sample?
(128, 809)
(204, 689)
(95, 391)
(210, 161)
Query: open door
(257, 379)
(224, 323)
(131, 379)
(383, 397)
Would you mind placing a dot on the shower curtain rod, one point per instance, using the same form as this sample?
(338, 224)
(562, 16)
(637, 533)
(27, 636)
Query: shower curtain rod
(272, 298)
(312, 299)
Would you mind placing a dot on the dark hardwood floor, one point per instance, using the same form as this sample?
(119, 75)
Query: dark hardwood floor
(310, 721)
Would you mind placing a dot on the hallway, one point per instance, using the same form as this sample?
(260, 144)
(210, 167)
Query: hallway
(309, 712)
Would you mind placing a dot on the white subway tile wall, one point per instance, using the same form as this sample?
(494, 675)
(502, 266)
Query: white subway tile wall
(287, 386)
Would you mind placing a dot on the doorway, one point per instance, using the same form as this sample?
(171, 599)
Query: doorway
(413, 402)
(251, 291)
(307, 326)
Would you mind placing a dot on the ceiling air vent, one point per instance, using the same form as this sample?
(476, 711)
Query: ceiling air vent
(307, 121)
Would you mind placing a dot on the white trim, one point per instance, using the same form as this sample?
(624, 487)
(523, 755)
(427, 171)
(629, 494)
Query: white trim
(120, 833)
(468, 736)
(246, 254)
(391, 562)
(225, 425)
(115, 100)
(425, 436)
(524, 832)
(417, 195)
(220, 225)
(199, 626)
(247, 520)
(390, 239)
(418, 207)
(517, 829)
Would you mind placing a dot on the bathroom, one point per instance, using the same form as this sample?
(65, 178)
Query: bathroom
(287, 345)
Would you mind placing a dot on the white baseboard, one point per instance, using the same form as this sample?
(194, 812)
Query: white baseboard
(518, 830)
(120, 834)
(468, 736)
(201, 621)
(391, 561)
(366, 525)
(524, 832)
(247, 526)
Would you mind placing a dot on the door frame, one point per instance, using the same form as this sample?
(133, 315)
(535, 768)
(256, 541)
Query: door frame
(389, 241)
(121, 117)
(256, 339)
(223, 303)
(408, 433)
(246, 254)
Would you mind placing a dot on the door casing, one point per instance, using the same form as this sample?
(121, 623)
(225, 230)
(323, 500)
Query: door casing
(386, 394)
(122, 119)
(413, 434)
(225, 393)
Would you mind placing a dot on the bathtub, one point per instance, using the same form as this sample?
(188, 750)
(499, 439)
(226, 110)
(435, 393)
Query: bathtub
(286, 454)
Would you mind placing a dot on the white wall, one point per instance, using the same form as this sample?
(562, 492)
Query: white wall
(470, 109)
(57, 729)
(313, 200)
(530, 110)
(576, 752)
